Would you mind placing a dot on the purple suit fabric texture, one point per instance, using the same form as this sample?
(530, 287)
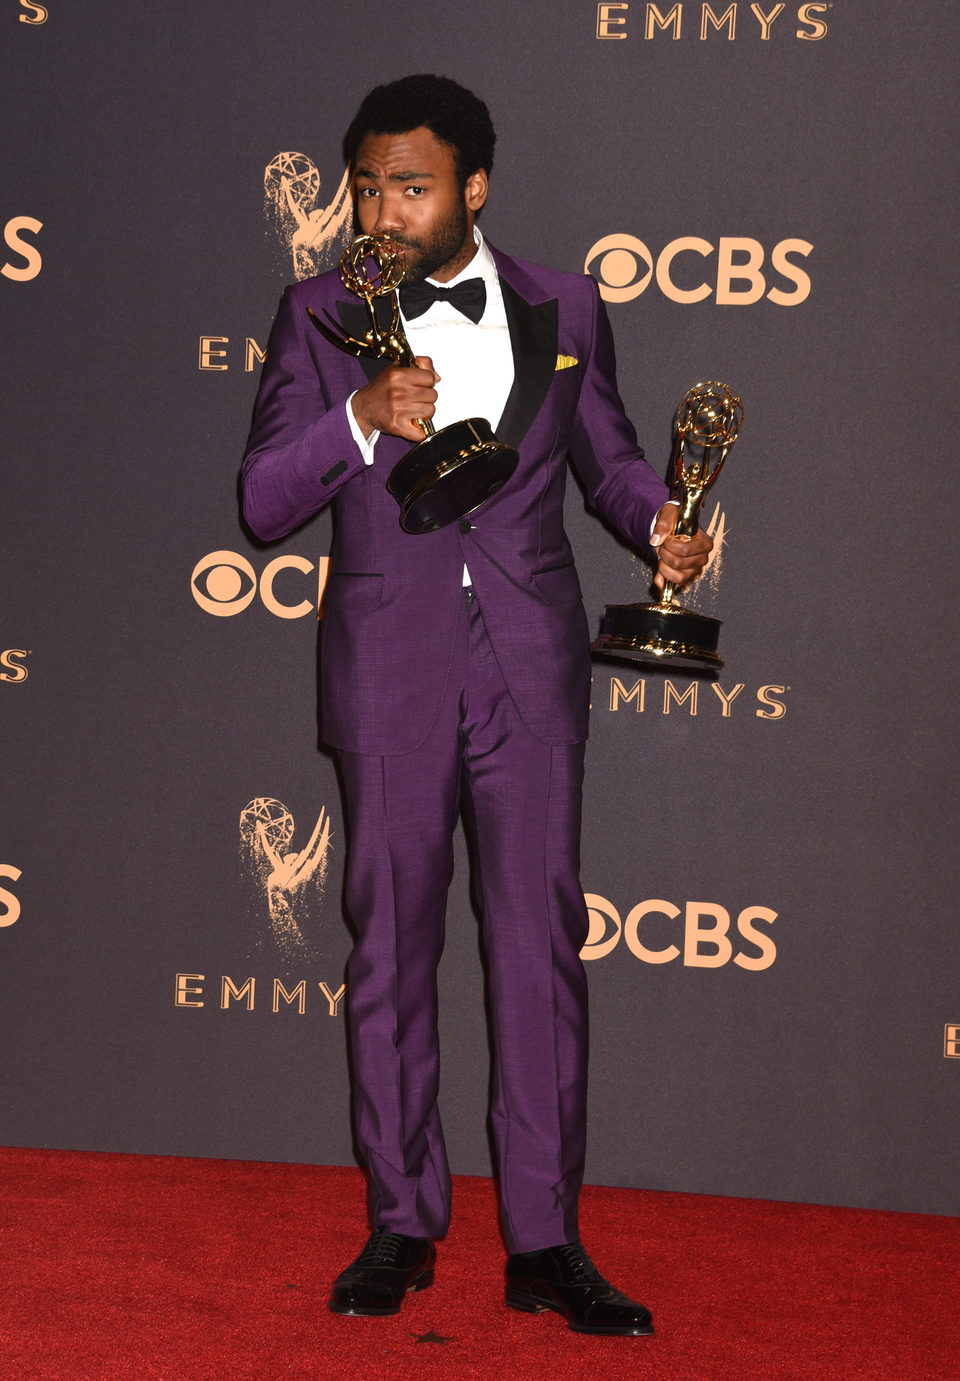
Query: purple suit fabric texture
(435, 705)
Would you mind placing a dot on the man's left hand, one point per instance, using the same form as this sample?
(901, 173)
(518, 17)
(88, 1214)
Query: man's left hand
(681, 559)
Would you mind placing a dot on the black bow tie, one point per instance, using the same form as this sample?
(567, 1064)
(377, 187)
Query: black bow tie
(469, 297)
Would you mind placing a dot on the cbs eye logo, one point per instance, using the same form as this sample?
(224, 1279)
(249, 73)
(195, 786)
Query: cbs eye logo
(732, 271)
(625, 267)
(605, 930)
(224, 583)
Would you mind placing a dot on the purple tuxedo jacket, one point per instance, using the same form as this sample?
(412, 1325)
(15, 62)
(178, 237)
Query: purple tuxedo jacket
(393, 599)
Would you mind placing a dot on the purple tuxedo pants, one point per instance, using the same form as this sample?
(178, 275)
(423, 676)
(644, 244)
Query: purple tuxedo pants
(521, 800)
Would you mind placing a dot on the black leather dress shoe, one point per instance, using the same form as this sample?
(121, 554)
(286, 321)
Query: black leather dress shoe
(389, 1265)
(566, 1280)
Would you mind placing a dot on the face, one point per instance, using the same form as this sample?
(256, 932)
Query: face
(406, 186)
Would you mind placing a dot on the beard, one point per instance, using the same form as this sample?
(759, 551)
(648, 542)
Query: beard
(435, 251)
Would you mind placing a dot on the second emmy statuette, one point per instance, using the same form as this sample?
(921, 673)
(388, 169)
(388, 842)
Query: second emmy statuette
(451, 472)
(708, 421)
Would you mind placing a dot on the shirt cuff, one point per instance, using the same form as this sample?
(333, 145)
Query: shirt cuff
(673, 502)
(366, 443)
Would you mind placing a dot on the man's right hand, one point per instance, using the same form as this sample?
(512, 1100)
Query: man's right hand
(396, 398)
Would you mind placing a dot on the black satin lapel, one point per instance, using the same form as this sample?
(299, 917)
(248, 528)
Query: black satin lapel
(533, 339)
(354, 319)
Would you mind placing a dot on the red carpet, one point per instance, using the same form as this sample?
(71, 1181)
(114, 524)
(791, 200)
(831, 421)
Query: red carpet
(147, 1267)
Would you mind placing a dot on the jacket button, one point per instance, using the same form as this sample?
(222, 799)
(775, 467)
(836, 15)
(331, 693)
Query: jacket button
(465, 525)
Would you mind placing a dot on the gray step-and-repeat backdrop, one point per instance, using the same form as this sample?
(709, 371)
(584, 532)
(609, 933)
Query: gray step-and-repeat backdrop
(767, 195)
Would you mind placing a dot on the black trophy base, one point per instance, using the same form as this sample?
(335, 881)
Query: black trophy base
(450, 474)
(663, 635)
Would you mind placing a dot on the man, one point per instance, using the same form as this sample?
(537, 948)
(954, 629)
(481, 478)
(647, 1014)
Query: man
(455, 674)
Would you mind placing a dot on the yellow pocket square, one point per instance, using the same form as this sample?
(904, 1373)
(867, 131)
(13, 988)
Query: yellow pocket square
(566, 361)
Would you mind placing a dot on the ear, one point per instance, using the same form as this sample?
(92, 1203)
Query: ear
(475, 191)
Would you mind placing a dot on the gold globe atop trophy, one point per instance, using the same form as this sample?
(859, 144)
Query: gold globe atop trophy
(452, 471)
(708, 422)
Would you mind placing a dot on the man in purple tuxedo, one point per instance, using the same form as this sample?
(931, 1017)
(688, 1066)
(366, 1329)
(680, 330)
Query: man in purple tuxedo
(455, 676)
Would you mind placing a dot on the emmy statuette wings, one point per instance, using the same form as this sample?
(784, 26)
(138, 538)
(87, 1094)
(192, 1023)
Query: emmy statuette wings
(709, 418)
(451, 472)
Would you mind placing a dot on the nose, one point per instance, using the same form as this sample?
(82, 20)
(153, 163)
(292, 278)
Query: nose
(389, 216)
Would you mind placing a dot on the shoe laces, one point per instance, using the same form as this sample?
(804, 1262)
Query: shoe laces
(382, 1249)
(575, 1260)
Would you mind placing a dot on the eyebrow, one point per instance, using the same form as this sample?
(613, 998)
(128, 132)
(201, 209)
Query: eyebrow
(397, 177)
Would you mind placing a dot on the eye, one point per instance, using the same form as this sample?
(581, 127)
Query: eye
(624, 267)
(223, 583)
(366, 192)
(416, 191)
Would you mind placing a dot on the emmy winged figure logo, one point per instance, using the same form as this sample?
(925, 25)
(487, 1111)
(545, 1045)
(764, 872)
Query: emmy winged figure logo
(312, 232)
(292, 880)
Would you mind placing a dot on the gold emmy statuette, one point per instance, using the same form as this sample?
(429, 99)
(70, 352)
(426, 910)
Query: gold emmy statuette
(708, 421)
(451, 472)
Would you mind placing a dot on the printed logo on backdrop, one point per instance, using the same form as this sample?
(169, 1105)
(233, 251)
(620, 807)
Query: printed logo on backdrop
(13, 667)
(308, 230)
(224, 584)
(258, 994)
(27, 261)
(31, 13)
(951, 1041)
(737, 271)
(309, 234)
(697, 699)
(706, 22)
(289, 882)
(289, 923)
(9, 901)
(700, 935)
